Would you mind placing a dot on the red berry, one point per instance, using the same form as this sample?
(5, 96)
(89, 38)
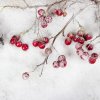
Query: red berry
(18, 43)
(25, 75)
(35, 43)
(41, 45)
(25, 47)
(44, 24)
(75, 39)
(78, 46)
(59, 12)
(89, 47)
(68, 41)
(81, 40)
(46, 39)
(95, 55)
(41, 12)
(88, 37)
(13, 41)
(92, 60)
(56, 64)
(15, 37)
(70, 35)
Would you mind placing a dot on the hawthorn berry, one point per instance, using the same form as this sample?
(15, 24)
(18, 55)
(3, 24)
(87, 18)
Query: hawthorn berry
(45, 39)
(35, 43)
(56, 64)
(81, 40)
(68, 41)
(13, 41)
(80, 33)
(95, 55)
(18, 43)
(61, 58)
(41, 12)
(89, 47)
(41, 45)
(92, 60)
(63, 63)
(70, 35)
(59, 12)
(87, 37)
(25, 47)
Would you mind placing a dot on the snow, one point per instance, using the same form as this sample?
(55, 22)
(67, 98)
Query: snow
(78, 81)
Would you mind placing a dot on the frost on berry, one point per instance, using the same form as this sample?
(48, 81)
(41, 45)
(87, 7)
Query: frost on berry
(25, 75)
(44, 24)
(63, 63)
(41, 12)
(56, 64)
(48, 19)
(61, 58)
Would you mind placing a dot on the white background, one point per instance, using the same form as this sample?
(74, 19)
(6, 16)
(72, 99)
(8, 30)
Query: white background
(78, 81)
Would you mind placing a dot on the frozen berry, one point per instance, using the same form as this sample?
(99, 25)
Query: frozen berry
(44, 24)
(48, 19)
(61, 58)
(62, 64)
(80, 40)
(80, 33)
(88, 37)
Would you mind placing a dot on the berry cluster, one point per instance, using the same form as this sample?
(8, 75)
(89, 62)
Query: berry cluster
(15, 40)
(80, 38)
(43, 18)
(61, 62)
(41, 42)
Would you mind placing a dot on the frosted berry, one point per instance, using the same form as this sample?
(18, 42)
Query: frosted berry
(44, 24)
(48, 51)
(25, 75)
(89, 47)
(78, 46)
(68, 41)
(56, 64)
(61, 58)
(48, 19)
(25, 47)
(46, 39)
(81, 40)
(62, 64)
(41, 12)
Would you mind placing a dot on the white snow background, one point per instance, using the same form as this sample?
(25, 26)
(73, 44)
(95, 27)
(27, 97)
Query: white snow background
(78, 81)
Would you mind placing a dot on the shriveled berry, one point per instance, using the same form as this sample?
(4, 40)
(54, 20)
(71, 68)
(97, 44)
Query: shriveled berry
(48, 19)
(78, 46)
(25, 47)
(25, 75)
(44, 24)
(68, 41)
(63, 64)
(89, 47)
